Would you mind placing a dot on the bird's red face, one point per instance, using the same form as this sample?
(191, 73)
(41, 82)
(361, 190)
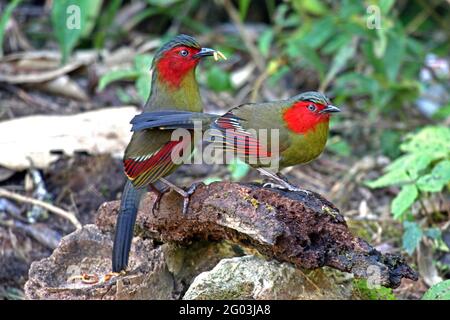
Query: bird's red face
(175, 63)
(304, 116)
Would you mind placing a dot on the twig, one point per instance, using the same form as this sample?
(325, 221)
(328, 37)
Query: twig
(234, 15)
(58, 211)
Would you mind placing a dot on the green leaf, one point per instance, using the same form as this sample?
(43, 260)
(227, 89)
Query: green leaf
(353, 83)
(437, 179)
(385, 5)
(143, 62)
(71, 19)
(431, 140)
(311, 6)
(143, 86)
(412, 164)
(162, 3)
(390, 178)
(394, 55)
(265, 42)
(404, 200)
(390, 141)
(4, 20)
(306, 54)
(218, 80)
(238, 169)
(243, 8)
(339, 146)
(364, 292)
(340, 60)
(442, 113)
(105, 23)
(440, 291)
(115, 75)
(321, 31)
(433, 233)
(411, 236)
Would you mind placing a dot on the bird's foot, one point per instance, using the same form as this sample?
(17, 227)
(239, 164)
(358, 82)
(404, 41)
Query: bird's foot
(187, 196)
(159, 195)
(286, 187)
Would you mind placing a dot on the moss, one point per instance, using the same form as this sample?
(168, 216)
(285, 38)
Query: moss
(329, 211)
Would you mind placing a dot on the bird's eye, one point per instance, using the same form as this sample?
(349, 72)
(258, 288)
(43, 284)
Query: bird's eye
(184, 53)
(312, 107)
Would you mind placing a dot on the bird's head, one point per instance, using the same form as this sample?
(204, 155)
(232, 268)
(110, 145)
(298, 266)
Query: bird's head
(308, 109)
(177, 58)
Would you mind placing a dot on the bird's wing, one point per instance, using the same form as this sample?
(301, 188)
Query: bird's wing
(148, 156)
(240, 130)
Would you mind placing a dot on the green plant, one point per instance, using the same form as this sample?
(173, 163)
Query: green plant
(362, 290)
(140, 73)
(73, 20)
(440, 291)
(424, 168)
(4, 20)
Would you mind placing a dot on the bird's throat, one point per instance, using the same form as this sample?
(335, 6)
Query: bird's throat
(185, 95)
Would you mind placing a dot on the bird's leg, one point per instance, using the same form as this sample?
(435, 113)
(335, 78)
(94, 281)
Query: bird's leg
(282, 181)
(186, 194)
(159, 194)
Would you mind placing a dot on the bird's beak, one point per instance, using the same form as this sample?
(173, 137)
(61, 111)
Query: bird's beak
(204, 52)
(330, 109)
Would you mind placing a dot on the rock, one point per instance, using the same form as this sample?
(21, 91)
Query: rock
(187, 262)
(89, 251)
(251, 277)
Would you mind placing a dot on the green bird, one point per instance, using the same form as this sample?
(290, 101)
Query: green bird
(147, 157)
(269, 136)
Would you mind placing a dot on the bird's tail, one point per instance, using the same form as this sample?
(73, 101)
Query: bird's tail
(126, 219)
(171, 120)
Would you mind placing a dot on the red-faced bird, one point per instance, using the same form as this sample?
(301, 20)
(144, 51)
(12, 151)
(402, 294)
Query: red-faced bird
(147, 157)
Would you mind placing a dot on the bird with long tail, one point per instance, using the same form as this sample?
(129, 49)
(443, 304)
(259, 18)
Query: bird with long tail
(147, 157)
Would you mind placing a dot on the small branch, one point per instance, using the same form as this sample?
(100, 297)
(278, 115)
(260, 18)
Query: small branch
(254, 53)
(47, 206)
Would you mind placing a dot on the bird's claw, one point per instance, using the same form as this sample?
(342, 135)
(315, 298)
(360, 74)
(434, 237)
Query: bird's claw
(285, 187)
(159, 195)
(187, 196)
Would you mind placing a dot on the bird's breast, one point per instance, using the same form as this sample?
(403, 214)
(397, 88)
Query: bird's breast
(304, 148)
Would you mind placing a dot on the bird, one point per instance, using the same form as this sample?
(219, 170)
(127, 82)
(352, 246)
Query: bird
(147, 156)
(301, 124)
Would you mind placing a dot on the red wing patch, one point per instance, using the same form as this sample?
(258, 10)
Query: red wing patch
(234, 137)
(149, 168)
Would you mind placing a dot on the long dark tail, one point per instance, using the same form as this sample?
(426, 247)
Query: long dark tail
(126, 219)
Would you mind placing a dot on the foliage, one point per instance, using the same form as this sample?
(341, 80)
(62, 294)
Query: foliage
(140, 73)
(4, 20)
(362, 290)
(374, 61)
(423, 168)
(72, 20)
(440, 291)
